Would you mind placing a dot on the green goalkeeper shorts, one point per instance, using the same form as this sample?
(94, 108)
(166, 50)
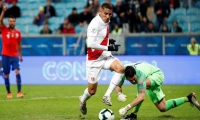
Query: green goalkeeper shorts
(155, 92)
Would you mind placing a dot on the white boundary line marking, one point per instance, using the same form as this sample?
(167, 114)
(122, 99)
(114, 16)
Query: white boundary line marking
(44, 98)
(36, 98)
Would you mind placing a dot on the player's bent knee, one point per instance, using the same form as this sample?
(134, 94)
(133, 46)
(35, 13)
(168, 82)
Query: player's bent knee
(120, 69)
(17, 72)
(117, 66)
(92, 92)
(162, 109)
(6, 75)
(92, 88)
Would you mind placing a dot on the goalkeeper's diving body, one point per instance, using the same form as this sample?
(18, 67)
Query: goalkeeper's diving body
(148, 79)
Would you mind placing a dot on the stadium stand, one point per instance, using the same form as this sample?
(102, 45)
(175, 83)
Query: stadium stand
(180, 12)
(33, 29)
(192, 12)
(188, 19)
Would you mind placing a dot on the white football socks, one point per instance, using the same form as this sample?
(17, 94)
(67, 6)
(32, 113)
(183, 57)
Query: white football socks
(85, 96)
(113, 83)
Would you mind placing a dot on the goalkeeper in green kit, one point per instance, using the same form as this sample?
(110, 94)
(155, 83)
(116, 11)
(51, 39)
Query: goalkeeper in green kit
(148, 79)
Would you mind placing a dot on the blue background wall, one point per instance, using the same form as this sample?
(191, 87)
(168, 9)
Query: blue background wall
(143, 45)
(133, 45)
(178, 45)
(71, 70)
(42, 46)
(153, 45)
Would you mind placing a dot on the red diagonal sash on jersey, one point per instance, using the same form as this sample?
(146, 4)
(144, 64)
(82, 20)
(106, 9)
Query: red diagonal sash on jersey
(94, 54)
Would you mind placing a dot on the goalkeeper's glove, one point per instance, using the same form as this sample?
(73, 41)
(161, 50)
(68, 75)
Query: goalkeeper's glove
(112, 41)
(113, 47)
(121, 97)
(124, 110)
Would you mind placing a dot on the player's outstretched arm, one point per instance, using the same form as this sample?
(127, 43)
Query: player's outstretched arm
(92, 44)
(140, 98)
(2, 15)
(118, 89)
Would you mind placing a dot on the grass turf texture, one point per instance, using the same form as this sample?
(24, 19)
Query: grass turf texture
(60, 102)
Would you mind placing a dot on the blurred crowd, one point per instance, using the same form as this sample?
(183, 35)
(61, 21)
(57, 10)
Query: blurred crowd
(131, 12)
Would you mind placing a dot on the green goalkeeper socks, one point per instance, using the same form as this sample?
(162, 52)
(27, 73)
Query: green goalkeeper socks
(175, 102)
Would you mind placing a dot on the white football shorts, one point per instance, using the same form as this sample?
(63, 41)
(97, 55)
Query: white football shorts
(93, 68)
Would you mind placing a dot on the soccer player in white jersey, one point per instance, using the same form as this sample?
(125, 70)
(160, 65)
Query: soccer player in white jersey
(99, 56)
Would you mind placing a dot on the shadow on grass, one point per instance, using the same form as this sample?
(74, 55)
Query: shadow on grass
(166, 116)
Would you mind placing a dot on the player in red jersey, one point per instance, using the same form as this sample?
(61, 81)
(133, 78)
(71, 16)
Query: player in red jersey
(11, 51)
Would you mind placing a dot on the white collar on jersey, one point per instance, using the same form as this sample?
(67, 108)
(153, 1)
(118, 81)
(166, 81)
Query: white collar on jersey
(101, 21)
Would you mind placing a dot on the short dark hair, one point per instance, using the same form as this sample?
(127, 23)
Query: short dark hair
(107, 5)
(175, 22)
(85, 7)
(74, 8)
(129, 71)
(13, 17)
(66, 18)
(150, 23)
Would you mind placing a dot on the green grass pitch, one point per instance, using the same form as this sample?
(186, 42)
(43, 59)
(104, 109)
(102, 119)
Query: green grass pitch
(60, 102)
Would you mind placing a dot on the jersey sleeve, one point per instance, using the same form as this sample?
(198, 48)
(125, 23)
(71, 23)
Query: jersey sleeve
(3, 27)
(92, 30)
(92, 34)
(141, 81)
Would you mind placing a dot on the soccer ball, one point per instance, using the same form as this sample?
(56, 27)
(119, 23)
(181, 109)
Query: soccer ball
(106, 114)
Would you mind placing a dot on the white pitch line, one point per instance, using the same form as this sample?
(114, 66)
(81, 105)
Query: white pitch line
(37, 98)
(43, 98)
